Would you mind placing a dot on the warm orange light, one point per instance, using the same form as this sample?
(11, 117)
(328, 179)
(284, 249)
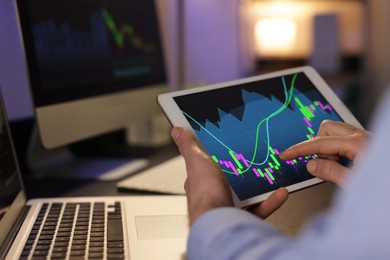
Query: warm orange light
(301, 13)
(276, 35)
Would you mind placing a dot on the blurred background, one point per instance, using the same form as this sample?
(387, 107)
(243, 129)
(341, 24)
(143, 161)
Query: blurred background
(209, 41)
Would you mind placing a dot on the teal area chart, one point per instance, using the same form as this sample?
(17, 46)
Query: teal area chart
(245, 127)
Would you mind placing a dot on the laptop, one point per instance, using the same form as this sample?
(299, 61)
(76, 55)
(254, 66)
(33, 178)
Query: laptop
(131, 227)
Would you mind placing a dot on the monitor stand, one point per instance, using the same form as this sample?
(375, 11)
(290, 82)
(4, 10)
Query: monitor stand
(92, 160)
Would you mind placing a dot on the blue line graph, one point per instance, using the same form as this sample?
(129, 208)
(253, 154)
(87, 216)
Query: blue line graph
(287, 100)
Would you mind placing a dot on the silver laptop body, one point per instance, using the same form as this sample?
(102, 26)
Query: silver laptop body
(131, 227)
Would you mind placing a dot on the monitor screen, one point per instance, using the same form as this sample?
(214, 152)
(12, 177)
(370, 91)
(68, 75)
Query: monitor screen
(94, 66)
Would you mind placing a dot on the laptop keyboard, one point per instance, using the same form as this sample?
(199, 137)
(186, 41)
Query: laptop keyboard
(76, 231)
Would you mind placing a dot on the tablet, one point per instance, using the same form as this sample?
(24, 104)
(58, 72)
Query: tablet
(244, 124)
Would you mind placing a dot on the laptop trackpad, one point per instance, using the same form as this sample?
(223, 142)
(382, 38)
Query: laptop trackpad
(162, 227)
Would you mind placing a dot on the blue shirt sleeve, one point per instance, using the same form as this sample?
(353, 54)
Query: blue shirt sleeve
(356, 227)
(226, 232)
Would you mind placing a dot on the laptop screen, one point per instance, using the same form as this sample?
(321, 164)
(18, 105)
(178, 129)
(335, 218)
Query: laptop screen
(9, 179)
(11, 195)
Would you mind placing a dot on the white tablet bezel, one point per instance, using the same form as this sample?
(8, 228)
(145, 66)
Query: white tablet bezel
(175, 116)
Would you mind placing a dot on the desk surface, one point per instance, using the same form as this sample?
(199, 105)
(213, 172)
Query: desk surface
(54, 186)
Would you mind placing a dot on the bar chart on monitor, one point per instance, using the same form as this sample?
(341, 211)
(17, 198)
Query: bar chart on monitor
(84, 40)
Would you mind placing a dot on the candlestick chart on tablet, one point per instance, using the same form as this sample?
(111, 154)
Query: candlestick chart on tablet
(244, 127)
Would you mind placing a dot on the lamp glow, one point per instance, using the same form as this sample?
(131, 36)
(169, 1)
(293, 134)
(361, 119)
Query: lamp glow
(276, 35)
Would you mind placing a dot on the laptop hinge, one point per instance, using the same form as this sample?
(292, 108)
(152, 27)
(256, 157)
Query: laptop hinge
(13, 232)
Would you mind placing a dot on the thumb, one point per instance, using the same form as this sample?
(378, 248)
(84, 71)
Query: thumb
(184, 140)
(327, 170)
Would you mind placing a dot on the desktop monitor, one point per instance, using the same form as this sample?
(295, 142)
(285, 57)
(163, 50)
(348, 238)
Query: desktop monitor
(94, 66)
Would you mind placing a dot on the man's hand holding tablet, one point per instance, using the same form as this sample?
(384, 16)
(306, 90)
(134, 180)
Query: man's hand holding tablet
(244, 124)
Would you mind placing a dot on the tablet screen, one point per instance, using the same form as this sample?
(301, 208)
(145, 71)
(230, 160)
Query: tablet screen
(244, 127)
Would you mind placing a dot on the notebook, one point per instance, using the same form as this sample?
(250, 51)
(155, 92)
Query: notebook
(131, 227)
